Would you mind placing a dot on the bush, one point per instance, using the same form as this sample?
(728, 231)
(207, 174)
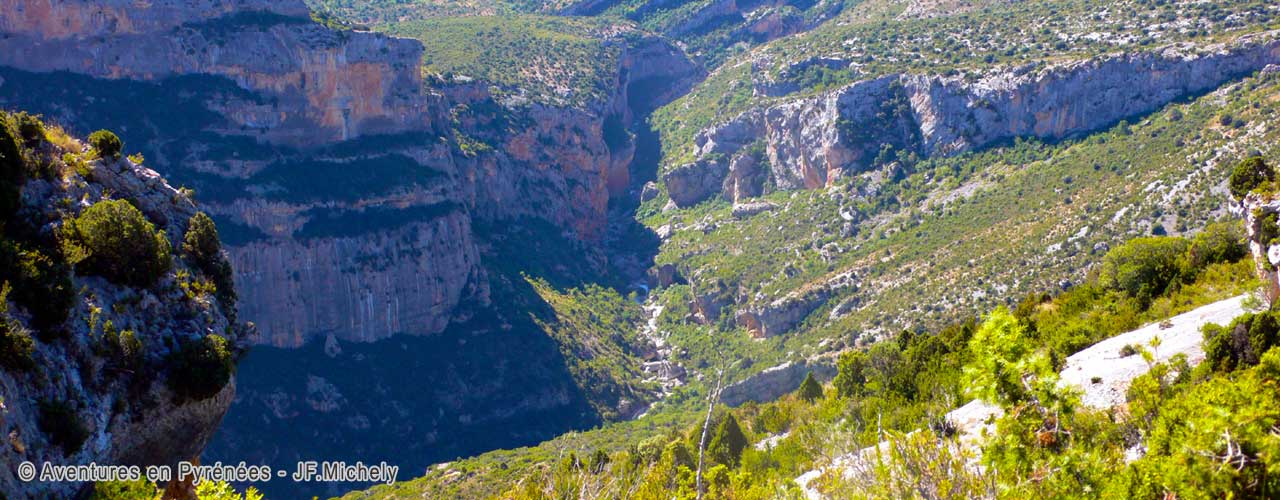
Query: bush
(59, 421)
(850, 374)
(1268, 228)
(1218, 242)
(125, 490)
(114, 240)
(16, 346)
(40, 284)
(30, 128)
(199, 369)
(203, 245)
(1248, 175)
(107, 144)
(1242, 343)
(1144, 268)
(1215, 440)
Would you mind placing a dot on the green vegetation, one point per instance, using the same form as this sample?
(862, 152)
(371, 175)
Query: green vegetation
(106, 144)
(144, 490)
(1249, 175)
(810, 390)
(199, 369)
(1242, 343)
(16, 344)
(114, 240)
(875, 38)
(566, 60)
(202, 245)
(881, 393)
(1144, 268)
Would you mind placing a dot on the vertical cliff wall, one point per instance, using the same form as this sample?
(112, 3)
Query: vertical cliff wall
(812, 141)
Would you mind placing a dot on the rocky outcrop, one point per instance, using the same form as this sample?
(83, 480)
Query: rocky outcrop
(108, 413)
(813, 141)
(783, 314)
(778, 381)
(1261, 210)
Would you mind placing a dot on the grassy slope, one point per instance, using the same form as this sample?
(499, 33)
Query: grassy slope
(1033, 216)
(566, 60)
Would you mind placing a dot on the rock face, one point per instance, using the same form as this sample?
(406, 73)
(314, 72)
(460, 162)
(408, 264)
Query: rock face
(1257, 209)
(781, 315)
(346, 188)
(315, 84)
(811, 142)
(132, 416)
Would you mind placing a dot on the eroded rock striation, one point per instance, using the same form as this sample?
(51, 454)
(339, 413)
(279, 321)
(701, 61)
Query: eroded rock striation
(810, 142)
(348, 188)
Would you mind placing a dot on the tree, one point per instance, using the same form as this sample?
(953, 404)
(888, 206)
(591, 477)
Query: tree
(1143, 268)
(1006, 367)
(1218, 242)
(1248, 175)
(114, 240)
(810, 389)
(203, 245)
(851, 374)
(729, 441)
(106, 143)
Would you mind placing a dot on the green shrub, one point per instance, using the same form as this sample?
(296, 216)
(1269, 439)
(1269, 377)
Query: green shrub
(1218, 242)
(810, 389)
(850, 376)
(41, 284)
(124, 490)
(59, 421)
(11, 168)
(1268, 228)
(114, 240)
(1215, 440)
(106, 143)
(199, 369)
(16, 346)
(203, 245)
(1242, 343)
(1143, 267)
(1248, 175)
(30, 128)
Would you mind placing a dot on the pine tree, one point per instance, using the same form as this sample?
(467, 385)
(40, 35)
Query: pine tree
(810, 390)
(729, 441)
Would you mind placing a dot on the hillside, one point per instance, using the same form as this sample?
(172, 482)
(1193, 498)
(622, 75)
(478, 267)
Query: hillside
(118, 330)
(542, 233)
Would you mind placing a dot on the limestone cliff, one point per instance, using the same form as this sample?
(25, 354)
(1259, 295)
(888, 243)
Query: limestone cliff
(315, 84)
(347, 186)
(812, 141)
(1260, 211)
(103, 383)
